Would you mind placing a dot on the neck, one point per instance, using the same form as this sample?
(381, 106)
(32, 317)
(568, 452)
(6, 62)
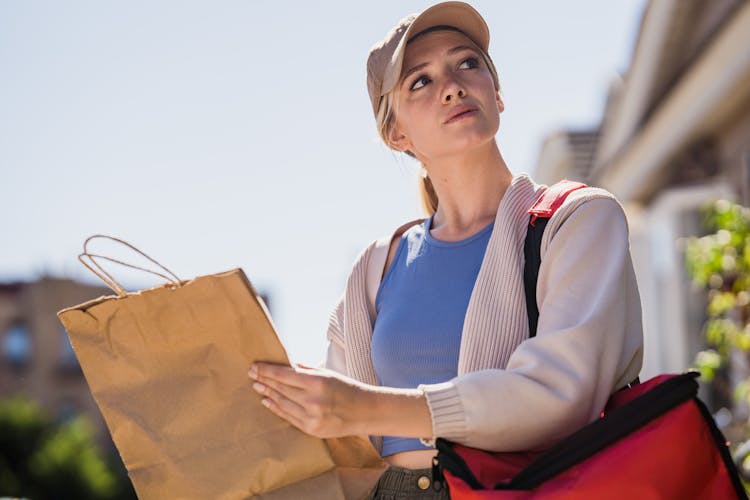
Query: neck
(469, 187)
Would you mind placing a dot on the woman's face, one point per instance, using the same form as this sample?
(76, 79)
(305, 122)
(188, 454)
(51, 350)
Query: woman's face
(445, 102)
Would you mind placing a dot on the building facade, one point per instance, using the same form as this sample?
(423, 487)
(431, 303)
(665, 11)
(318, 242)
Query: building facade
(37, 360)
(674, 135)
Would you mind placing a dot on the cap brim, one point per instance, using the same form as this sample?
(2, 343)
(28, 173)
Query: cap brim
(459, 15)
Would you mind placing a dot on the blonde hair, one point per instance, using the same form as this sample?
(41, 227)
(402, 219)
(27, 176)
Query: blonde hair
(385, 120)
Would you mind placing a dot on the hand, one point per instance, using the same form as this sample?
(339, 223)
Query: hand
(319, 402)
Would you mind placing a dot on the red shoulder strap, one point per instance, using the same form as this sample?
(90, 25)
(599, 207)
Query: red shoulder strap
(552, 198)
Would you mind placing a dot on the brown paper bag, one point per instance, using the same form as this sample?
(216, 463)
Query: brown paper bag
(168, 368)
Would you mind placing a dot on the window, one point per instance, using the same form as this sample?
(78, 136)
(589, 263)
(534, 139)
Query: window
(66, 355)
(67, 410)
(17, 346)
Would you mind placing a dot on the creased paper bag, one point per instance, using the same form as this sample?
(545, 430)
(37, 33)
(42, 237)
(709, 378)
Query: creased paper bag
(168, 369)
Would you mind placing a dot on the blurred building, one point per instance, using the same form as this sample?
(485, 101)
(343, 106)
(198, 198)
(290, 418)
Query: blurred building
(675, 134)
(37, 359)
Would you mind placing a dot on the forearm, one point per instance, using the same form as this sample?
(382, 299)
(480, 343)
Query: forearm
(326, 404)
(386, 411)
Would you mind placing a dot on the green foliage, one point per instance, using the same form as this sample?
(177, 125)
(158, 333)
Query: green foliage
(42, 459)
(721, 260)
(720, 263)
(708, 362)
(69, 452)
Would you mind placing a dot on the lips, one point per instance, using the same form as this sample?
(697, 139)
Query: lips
(460, 112)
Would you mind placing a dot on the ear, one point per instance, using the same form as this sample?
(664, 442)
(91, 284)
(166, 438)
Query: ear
(398, 140)
(500, 103)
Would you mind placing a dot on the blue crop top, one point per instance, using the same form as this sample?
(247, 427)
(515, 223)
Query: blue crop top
(421, 305)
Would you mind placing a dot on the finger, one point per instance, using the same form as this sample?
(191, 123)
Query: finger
(284, 407)
(314, 371)
(276, 410)
(267, 386)
(285, 374)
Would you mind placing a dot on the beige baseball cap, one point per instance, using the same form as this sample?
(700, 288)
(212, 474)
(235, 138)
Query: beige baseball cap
(387, 56)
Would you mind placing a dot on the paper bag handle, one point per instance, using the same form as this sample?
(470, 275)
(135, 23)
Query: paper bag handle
(107, 278)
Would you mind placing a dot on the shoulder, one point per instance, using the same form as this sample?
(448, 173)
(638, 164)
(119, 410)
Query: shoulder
(588, 193)
(370, 264)
(588, 203)
(395, 239)
(590, 210)
(379, 249)
(384, 249)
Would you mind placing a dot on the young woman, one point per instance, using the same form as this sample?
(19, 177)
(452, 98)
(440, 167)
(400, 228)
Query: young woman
(443, 347)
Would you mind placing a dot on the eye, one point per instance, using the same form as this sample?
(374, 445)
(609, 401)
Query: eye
(469, 63)
(420, 82)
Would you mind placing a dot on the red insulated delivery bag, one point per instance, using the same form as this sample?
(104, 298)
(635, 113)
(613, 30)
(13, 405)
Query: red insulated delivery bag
(655, 440)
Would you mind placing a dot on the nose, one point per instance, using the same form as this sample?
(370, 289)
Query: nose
(452, 91)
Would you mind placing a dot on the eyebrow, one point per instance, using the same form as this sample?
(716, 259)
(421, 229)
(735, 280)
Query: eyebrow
(450, 52)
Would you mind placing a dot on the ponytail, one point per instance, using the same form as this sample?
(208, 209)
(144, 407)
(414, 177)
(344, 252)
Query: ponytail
(427, 193)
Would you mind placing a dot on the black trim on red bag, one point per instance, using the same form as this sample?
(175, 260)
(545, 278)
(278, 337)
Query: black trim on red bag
(606, 430)
(723, 446)
(448, 459)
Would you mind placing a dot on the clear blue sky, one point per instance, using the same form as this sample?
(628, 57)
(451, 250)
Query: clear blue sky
(223, 134)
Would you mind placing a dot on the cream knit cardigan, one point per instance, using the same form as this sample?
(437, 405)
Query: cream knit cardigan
(513, 392)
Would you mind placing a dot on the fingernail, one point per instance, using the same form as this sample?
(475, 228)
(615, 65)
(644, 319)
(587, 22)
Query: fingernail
(253, 372)
(259, 387)
(266, 402)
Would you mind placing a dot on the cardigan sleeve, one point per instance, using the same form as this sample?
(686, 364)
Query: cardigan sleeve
(588, 343)
(335, 355)
(355, 295)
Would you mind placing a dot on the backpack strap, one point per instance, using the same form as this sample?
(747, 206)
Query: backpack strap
(540, 212)
(376, 265)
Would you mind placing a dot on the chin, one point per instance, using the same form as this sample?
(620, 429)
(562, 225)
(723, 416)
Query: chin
(467, 143)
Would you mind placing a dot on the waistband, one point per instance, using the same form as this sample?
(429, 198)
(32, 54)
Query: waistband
(415, 483)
